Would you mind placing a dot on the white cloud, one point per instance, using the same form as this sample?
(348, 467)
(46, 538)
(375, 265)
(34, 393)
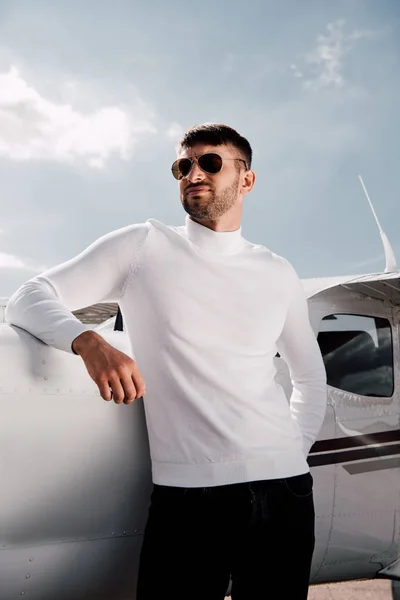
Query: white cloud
(10, 261)
(296, 71)
(324, 64)
(175, 131)
(33, 127)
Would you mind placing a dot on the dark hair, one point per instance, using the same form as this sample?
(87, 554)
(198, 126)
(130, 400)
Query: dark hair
(217, 134)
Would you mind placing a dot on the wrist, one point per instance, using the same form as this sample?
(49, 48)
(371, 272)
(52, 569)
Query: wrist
(86, 341)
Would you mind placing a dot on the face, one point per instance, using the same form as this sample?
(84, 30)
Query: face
(207, 196)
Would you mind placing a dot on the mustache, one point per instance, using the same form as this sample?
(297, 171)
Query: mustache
(197, 185)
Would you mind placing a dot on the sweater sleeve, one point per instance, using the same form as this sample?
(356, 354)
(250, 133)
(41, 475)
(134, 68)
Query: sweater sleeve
(299, 348)
(43, 305)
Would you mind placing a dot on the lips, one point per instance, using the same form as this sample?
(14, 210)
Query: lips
(197, 190)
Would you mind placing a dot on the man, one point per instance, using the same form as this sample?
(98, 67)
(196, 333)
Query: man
(206, 312)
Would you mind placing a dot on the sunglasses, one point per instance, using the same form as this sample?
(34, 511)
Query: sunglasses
(209, 163)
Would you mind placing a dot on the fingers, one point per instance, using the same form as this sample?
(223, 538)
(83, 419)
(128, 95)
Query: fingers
(118, 392)
(123, 390)
(139, 383)
(114, 390)
(123, 383)
(104, 389)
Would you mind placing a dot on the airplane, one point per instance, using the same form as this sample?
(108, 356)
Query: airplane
(75, 470)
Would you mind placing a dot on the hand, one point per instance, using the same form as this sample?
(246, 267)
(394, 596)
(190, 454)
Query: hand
(116, 374)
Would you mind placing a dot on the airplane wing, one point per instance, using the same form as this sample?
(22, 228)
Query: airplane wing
(374, 285)
(96, 313)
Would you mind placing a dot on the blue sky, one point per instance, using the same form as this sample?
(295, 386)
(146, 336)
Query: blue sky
(94, 94)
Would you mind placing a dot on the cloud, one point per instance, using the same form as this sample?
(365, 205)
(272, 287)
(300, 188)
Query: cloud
(175, 131)
(296, 71)
(10, 261)
(323, 66)
(35, 128)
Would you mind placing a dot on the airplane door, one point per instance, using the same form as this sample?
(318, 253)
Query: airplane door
(360, 348)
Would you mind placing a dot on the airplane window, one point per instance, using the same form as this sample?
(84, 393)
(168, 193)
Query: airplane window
(358, 354)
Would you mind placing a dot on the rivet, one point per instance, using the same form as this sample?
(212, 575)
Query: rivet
(136, 530)
(31, 559)
(58, 391)
(43, 362)
(124, 532)
(46, 378)
(113, 533)
(28, 576)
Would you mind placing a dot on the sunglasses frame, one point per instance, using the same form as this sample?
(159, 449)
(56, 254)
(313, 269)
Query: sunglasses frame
(196, 160)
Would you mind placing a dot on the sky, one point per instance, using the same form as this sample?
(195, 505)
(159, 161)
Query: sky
(94, 96)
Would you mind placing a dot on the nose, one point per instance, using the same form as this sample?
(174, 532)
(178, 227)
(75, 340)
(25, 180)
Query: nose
(195, 173)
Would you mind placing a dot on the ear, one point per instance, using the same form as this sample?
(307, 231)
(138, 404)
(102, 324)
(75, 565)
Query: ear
(248, 182)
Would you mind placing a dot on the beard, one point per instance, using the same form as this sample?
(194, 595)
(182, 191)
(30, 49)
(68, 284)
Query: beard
(214, 206)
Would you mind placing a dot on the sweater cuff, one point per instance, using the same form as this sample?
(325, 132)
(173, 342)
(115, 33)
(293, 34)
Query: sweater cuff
(66, 332)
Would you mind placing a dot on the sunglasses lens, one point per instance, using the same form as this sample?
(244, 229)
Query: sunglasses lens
(210, 163)
(181, 168)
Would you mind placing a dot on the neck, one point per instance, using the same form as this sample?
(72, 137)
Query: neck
(219, 226)
(212, 241)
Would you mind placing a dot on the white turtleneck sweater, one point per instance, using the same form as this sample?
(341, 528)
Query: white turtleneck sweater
(206, 313)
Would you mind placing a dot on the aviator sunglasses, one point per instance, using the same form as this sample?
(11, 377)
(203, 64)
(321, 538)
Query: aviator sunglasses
(209, 163)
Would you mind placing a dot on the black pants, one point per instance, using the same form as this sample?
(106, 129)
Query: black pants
(259, 534)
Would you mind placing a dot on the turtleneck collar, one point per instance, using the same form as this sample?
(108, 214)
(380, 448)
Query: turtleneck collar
(214, 242)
